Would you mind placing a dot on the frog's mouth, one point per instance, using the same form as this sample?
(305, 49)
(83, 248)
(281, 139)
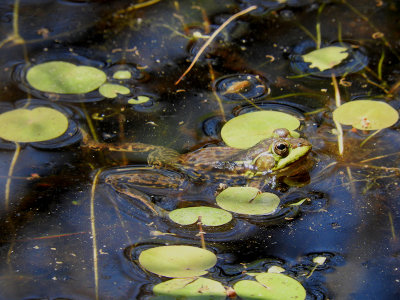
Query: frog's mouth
(286, 166)
(294, 156)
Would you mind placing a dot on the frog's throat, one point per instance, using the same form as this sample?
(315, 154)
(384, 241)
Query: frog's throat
(282, 163)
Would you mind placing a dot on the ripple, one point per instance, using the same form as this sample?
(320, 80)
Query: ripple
(296, 110)
(265, 6)
(356, 60)
(212, 127)
(240, 87)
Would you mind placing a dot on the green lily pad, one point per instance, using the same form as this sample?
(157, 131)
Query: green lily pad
(270, 286)
(36, 125)
(110, 90)
(210, 216)
(366, 114)
(326, 58)
(177, 261)
(122, 74)
(139, 100)
(248, 200)
(65, 78)
(248, 129)
(189, 288)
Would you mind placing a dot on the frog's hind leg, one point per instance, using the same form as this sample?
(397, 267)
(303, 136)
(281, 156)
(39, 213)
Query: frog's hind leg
(140, 185)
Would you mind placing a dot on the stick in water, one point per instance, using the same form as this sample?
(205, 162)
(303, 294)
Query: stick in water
(212, 37)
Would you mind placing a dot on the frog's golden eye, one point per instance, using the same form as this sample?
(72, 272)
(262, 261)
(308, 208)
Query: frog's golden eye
(281, 148)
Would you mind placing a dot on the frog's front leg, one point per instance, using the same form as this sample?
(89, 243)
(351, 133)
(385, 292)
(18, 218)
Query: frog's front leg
(133, 151)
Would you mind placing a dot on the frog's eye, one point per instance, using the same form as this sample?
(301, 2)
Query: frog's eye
(281, 148)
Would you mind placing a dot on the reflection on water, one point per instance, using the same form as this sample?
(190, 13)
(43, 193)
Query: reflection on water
(74, 222)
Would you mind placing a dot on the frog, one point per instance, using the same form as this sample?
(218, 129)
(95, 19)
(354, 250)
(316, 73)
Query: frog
(279, 155)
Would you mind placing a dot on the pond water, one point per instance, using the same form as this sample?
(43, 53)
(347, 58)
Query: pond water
(67, 233)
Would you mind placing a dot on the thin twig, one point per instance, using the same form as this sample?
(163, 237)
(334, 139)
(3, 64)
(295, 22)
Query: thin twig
(212, 37)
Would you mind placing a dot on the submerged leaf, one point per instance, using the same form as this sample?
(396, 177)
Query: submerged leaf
(210, 216)
(326, 58)
(248, 200)
(177, 261)
(248, 129)
(65, 78)
(36, 125)
(366, 114)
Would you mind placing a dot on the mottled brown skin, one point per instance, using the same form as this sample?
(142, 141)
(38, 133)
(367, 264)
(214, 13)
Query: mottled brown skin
(225, 164)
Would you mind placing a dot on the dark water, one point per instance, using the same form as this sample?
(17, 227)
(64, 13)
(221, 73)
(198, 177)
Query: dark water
(53, 219)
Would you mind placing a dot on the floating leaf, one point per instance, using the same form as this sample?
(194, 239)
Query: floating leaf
(139, 100)
(319, 260)
(270, 286)
(110, 90)
(276, 269)
(366, 114)
(247, 200)
(65, 78)
(177, 261)
(248, 129)
(210, 216)
(190, 288)
(326, 58)
(122, 74)
(36, 125)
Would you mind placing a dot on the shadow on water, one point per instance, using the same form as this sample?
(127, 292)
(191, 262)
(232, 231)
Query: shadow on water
(70, 232)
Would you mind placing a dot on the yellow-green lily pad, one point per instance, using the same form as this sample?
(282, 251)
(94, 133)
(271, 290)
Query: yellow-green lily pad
(270, 286)
(139, 100)
(36, 125)
(110, 90)
(210, 216)
(65, 78)
(248, 129)
(248, 200)
(190, 288)
(122, 74)
(326, 58)
(177, 261)
(366, 114)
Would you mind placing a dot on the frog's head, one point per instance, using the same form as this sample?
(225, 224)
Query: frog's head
(276, 154)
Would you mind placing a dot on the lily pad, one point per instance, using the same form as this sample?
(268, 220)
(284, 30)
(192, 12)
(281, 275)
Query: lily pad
(139, 100)
(248, 129)
(248, 200)
(177, 261)
(36, 125)
(326, 58)
(110, 90)
(270, 286)
(190, 288)
(366, 114)
(210, 216)
(65, 78)
(122, 74)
